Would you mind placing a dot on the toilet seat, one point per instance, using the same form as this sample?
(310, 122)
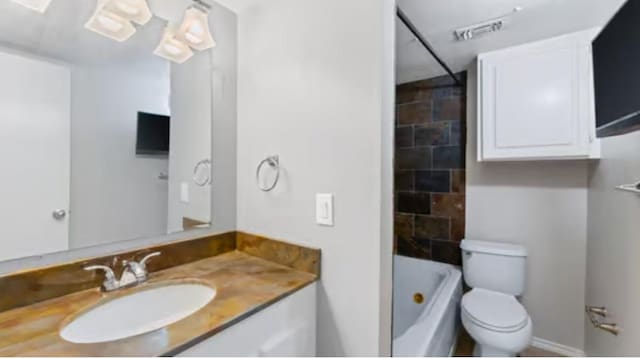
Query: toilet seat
(496, 321)
(494, 311)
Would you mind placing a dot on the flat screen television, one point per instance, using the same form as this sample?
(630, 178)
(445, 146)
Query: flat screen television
(153, 134)
(616, 60)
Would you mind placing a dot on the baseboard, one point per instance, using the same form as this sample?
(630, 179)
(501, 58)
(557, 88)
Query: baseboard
(556, 348)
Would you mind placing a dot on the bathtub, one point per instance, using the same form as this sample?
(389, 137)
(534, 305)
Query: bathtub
(429, 328)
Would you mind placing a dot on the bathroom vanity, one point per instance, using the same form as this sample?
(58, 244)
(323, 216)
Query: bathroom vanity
(250, 296)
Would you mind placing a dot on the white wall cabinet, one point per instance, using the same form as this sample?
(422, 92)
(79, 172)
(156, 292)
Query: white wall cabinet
(284, 329)
(536, 101)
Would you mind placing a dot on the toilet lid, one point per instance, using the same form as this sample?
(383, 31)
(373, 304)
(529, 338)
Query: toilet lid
(494, 311)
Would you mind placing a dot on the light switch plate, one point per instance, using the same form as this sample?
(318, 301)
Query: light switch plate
(324, 209)
(184, 192)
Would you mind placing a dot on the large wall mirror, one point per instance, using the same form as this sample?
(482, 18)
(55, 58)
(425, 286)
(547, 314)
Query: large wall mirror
(105, 123)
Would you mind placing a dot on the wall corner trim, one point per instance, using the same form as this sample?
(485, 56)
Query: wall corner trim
(556, 347)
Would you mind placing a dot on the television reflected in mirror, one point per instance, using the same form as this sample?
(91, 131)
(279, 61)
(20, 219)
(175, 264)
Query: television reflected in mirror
(153, 134)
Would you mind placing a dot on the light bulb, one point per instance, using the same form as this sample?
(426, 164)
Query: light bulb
(194, 30)
(127, 8)
(172, 48)
(133, 10)
(192, 39)
(109, 23)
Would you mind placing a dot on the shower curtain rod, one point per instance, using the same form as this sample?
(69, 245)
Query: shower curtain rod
(414, 30)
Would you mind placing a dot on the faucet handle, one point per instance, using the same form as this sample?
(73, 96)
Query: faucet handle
(108, 272)
(145, 259)
(110, 281)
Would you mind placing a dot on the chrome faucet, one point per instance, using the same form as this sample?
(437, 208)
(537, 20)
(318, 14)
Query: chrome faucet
(134, 273)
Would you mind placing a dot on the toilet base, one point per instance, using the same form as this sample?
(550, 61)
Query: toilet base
(487, 351)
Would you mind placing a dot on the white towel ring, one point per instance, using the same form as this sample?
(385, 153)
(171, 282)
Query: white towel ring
(274, 163)
(206, 163)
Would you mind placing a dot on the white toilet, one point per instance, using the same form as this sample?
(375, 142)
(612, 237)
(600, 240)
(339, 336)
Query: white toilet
(490, 312)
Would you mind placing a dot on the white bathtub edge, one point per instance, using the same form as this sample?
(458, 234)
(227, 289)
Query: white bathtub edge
(556, 348)
(451, 287)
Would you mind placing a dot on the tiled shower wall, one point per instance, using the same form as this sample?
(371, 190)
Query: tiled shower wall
(429, 169)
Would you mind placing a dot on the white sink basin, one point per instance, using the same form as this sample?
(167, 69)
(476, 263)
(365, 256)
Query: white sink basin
(137, 313)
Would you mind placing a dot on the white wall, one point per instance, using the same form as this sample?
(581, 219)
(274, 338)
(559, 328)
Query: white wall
(115, 195)
(542, 205)
(316, 87)
(613, 247)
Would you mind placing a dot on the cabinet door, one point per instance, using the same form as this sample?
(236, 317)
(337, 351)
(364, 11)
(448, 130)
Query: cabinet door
(536, 100)
(284, 329)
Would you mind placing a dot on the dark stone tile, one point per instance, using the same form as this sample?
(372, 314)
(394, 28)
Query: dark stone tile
(412, 202)
(444, 81)
(415, 113)
(432, 181)
(432, 134)
(448, 157)
(403, 225)
(404, 136)
(410, 248)
(419, 91)
(446, 251)
(447, 205)
(425, 90)
(457, 133)
(449, 108)
(457, 229)
(458, 181)
(448, 92)
(431, 227)
(413, 159)
(404, 180)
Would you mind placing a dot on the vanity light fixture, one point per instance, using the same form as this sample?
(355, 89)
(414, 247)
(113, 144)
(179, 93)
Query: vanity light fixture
(113, 18)
(111, 25)
(171, 48)
(194, 30)
(35, 5)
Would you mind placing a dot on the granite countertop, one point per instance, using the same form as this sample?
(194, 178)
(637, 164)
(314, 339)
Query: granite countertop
(244, 284)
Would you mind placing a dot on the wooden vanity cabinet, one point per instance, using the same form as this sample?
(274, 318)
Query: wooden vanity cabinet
(284, 329)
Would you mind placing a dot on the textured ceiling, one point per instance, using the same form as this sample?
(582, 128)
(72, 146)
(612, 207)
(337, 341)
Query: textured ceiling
(60, 34)
(437, 19)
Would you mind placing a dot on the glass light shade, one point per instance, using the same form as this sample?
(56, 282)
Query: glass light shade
(173, 49)
(35, 5)
(194, 30)
(106, 23)
(134, 10)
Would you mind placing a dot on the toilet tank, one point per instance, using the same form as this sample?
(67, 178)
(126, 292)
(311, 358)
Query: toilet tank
(495, 266)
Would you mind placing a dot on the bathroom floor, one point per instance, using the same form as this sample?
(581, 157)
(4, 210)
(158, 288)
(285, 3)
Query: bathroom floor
(466, 343)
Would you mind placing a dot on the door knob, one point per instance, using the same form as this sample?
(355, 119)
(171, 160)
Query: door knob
(59, 214)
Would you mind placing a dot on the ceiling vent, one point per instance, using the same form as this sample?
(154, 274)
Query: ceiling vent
(483, 28)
